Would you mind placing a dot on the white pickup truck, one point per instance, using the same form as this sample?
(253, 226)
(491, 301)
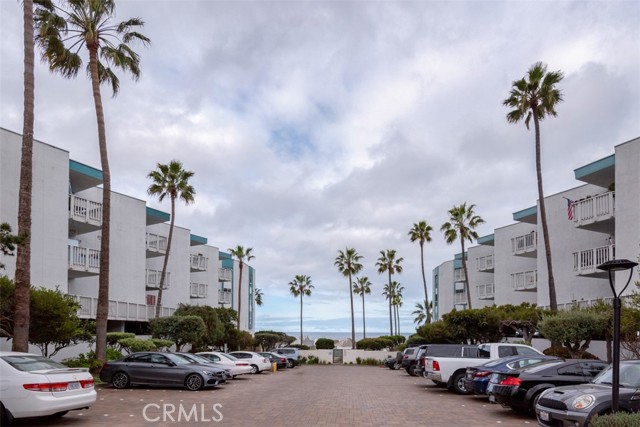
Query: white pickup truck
(450, 371)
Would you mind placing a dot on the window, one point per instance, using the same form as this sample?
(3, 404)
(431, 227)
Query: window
(506, 350)
(526, 351)
(572, 370)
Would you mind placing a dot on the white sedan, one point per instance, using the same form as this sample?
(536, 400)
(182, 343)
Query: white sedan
(34, 386)
(226, 361)
(257, 362)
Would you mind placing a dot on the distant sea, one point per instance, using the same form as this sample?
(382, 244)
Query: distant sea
(337, 335)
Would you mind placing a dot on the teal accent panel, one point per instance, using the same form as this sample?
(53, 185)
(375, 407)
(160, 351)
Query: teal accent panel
(597, 166)
(532, 211)
(457, 261)
(198, 239)
(85, 169)
(164, 216)
(487, 240)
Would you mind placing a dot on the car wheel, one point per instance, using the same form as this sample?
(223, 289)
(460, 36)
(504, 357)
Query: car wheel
(5, 417)
(534, 402)
(458, 384)
(194, 382)
(120, 380)
(289, 363)
(412, 371)
(396, 366)
(254, 369)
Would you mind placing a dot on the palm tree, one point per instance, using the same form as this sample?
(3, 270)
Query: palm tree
(362, 286)
(397, 303)
(173, 181)
(241, 255)
(420, 313)
(536, 95)
(23, 258)
(461, 224)
(300, 286)
(388, 292)
(61, 33)
(257, 295)
(421, 232)
(348, 263)
(388, 263)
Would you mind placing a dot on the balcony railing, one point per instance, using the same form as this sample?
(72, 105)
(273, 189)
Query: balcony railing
(224, 274)
(153, 279)
(525, 281)
(120, 310)
(524, 244)
(585, 262)
(485, 291)
(198, 290)
(84, 259)
(156, 243)
(593, 209)
(224, 296)
(84, 210)
(458, 275)
(199, 262)
(485, 263)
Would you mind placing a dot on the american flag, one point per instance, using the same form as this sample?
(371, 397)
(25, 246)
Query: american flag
(570, 209)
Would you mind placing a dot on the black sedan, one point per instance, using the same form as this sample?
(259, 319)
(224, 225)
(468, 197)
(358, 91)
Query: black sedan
(575, 405)
(521, 388)
(163, 369)
(278, 359)
(477, 377)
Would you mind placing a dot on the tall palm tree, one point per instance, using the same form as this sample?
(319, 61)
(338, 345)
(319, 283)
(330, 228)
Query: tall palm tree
(61, 33)
(299, 287)
(348, 263)
(461, 224)
(362, 286)
(397, 303)
(536, 95)
(420, 313)
(257, 296)
(388, 291)
(241, 255)
(170, 180)
(388, 263)
(421, 232)
(23, 258)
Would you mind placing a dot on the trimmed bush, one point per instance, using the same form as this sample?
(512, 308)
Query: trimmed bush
(300, 346)
(374, 344)
(313, 360)
(415, 340)
(566, 354)
(114, 337)
(368, 361)
(619, 419)
(133, 345)
(325, 344)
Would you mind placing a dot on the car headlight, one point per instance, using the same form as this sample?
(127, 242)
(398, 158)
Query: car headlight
(584, 401)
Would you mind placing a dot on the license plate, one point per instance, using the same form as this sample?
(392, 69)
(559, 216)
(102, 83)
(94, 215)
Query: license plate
(492, 398)
(73, 386)
(544, 416)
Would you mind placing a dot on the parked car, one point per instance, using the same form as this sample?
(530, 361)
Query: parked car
(442, 350)
(477, 377)
(35, 386)
(280, 360)
(158, 368)
(234, 365)
(394, 362)
(575, 405)
(409, 360)
(521, 388)
(257, 362)
(195, 358)
(292, 354)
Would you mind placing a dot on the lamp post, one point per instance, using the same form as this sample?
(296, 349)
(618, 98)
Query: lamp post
(613, 266)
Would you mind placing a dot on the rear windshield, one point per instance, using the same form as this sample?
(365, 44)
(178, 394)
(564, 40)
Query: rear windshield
(409, 351)
(32, 363)
(286, 351)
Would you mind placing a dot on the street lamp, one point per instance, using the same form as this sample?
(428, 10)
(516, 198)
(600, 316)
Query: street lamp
(613, 266)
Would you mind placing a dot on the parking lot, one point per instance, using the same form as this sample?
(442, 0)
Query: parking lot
(331, 395)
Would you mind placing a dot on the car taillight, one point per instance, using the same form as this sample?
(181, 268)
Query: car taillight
(511, 381)
(86, 383)
(481, 374)
(423, 361)
(405, 357)
(284, 359)
(435, 365)
(46, 387)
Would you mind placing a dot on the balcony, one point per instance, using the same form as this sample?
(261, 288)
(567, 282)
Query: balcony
(199, 262)
(120, 310)
(224, 296)
(84, 215)
(83, 262)
(595, 212)
(198, 290)
(485, 263)
(525, 245)
(585, 262)
(153, 279)
(526, 281)
(224, 274)
(485, 291)
(156, 245)
(458, 275)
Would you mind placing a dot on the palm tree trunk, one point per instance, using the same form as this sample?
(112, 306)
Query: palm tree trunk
(103, 281)
(390, 298)
(364, 327)
(23, 255)
(240, 294)
(424, 281)
(466, 275)
(353, 324)
(163, 275)
(301, 319)
(398, 324)
(553, 302)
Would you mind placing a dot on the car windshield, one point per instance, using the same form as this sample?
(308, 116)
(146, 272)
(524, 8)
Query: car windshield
(228, 356)
(196, 358)
(629, 375)
(28, 363)
(178, 359)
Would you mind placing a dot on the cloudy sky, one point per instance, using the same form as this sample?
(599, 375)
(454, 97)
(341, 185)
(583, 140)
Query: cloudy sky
(312, 126)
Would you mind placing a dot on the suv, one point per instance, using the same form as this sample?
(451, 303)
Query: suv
(409, 359)
(291, 353)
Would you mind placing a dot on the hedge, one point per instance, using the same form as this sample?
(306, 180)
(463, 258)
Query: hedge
(325, 344)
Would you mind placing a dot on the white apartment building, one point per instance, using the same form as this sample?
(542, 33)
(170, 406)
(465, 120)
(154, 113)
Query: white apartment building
(65, 244)
(509, 266)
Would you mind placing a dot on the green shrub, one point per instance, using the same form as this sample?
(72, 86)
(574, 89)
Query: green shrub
(162, 345)
(395, 339)
(302, 360)
(300, 346)
(415, 340)
(368, 361)
(325, 344)
(313, 360)
(89, 360)
(619, 419)
(114, 337)
(566, 354)
(369, 344)
(133, 345)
